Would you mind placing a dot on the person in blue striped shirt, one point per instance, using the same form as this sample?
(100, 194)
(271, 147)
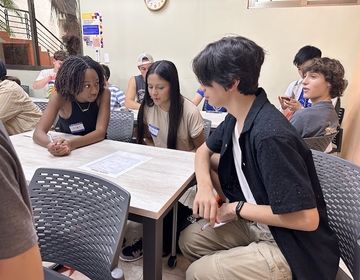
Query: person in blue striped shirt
(199, 95)
(117, 99)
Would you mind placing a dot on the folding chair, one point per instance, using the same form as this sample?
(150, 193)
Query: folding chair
(41, 104)
(340, 183)
(121, 126)
(80, 221)
(319, 143)
(207, 127)
(26, 88)
(337, 141)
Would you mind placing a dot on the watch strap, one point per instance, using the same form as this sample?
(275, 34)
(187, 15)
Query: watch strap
(238, 208)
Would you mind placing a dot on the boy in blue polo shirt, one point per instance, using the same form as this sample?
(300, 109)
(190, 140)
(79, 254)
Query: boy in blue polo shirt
(276, 225)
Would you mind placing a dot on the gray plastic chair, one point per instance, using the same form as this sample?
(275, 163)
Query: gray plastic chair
(41, 104)
(121, 126)
(26, 88)
(207, 127)
(340, 183)
(320, 143)
(80, 221)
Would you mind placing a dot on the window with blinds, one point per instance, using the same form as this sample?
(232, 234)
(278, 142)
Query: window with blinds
(298, 3)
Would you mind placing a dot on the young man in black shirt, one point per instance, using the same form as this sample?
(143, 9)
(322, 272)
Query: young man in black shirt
(265, 174)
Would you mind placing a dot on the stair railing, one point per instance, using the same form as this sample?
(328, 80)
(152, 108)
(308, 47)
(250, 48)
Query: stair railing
(17, 24)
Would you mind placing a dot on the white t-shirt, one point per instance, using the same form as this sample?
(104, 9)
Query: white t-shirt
(51, 84)
(262, 230)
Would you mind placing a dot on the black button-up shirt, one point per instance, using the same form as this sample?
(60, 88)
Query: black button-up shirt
(280, 172)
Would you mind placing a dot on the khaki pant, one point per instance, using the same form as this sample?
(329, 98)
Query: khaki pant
(232, 251)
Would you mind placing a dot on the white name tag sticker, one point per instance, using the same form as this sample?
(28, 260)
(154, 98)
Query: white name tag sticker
(76, 127)
(154, 131)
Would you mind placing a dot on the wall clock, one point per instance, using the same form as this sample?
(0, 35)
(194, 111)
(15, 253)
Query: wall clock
(155, 5)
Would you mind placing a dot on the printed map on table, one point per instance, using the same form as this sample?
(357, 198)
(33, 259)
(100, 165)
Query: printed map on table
(116, 163)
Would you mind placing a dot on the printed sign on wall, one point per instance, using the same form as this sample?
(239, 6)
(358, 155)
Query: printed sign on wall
(92, 29)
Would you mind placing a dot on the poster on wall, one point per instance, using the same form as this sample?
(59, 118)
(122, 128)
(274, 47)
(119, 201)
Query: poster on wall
(92, 30)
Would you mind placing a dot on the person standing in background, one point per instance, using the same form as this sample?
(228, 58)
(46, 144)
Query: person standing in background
(47, 76)
(135, 92)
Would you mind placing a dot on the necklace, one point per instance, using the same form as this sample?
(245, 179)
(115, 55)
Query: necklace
(216, 108)
(85, 109)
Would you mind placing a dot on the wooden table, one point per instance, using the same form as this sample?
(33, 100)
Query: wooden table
(155, 186)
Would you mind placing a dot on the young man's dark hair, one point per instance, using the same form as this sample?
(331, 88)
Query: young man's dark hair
(306, 53)
(106, 71)
(243, 64)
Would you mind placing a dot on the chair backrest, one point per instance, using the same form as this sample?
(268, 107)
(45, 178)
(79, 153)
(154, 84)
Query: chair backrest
(340, 183)
(80, 221)
(41, 104)
(207, 127)
(121, 126)
(341, 115)
(26, 88)
(319, 143)
(337, 141)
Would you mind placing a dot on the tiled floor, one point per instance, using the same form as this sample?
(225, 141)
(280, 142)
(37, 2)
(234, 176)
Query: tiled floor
(134, 270)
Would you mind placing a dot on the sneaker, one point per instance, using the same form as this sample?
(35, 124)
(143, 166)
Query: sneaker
(132, 252)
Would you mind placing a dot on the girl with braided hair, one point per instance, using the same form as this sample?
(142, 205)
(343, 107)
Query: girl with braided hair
(82, 103)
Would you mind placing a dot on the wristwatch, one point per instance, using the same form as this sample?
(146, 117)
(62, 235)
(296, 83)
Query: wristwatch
(238, 208)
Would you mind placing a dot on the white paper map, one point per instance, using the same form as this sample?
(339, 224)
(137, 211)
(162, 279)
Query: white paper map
(115, 164)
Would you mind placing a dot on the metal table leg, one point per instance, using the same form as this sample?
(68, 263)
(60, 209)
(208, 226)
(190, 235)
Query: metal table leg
(172, 258)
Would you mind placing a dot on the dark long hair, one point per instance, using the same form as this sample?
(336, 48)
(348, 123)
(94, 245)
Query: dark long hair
(167, 71)
(70, 78)
(3, 74)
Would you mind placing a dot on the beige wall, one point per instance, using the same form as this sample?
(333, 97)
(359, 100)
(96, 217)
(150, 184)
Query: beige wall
(180, 30)
(351, 147)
